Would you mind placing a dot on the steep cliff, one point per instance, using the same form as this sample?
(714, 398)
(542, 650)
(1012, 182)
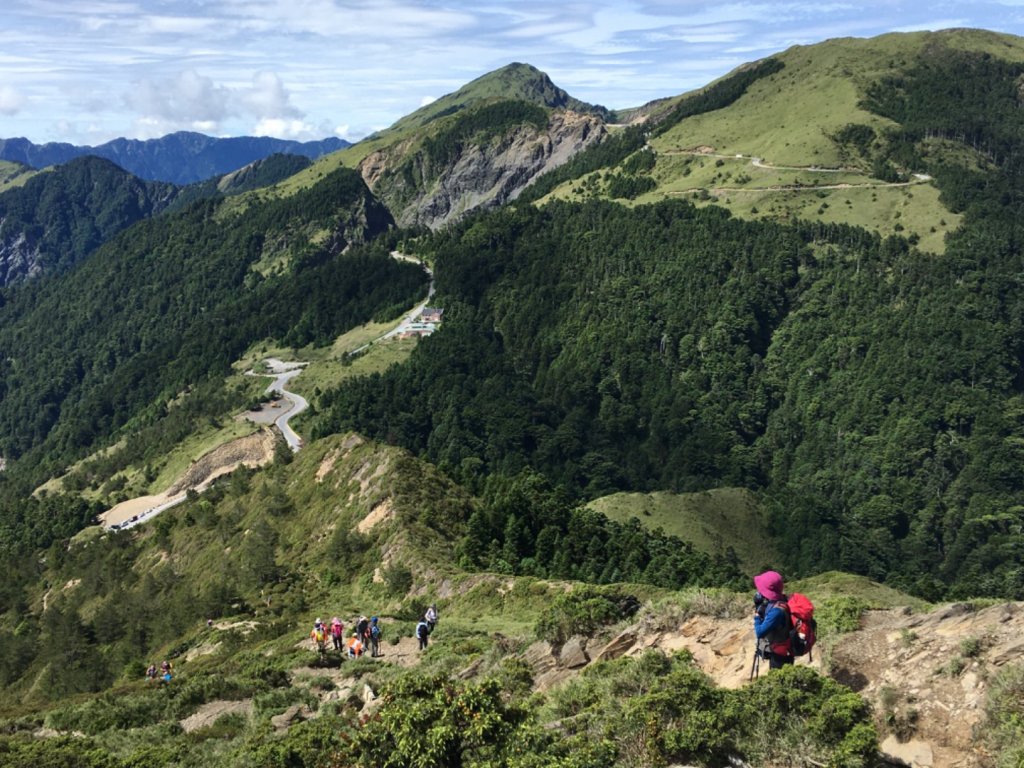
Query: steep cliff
(480, 172)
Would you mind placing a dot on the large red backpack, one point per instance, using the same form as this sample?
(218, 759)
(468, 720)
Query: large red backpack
(804, 629)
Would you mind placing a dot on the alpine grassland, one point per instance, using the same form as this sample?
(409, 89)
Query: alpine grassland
(226, 586)
(713, 521)
(14, 174)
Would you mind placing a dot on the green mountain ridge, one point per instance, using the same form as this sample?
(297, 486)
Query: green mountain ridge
(788, 148)
(513, 82)
(55, 219)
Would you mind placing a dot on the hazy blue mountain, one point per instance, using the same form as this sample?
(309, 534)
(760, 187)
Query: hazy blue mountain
(180, 158)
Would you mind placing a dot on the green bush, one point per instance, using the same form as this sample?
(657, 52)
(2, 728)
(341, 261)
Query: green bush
(398, 579)
(807, 716)
(837, 615)
(580, 612)
(1005, 712)
(111, 711)
(278, 700)
(63, 752)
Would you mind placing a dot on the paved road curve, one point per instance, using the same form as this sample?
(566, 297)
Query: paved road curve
(285, 372)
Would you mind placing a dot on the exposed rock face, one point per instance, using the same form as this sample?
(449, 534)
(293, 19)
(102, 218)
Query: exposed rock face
(20, 258)
(482, 175)
(574, 653)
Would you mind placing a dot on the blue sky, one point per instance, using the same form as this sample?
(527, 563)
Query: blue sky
(86, 71)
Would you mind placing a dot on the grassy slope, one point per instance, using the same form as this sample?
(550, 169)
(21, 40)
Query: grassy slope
(711, 520)
(835, 584)
(14, 174)
(787, 119)
(325, 370)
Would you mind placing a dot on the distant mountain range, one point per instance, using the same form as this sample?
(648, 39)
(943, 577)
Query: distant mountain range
(180, 158)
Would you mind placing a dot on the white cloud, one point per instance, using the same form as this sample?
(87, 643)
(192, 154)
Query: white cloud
(11, 101)
(283, 128)
(268, 97)
(427, 100)
(194, 101)
(186, 98)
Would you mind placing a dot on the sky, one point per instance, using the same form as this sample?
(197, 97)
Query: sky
(87, 71)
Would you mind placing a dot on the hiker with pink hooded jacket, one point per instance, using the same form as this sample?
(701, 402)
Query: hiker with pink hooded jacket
(772, 621)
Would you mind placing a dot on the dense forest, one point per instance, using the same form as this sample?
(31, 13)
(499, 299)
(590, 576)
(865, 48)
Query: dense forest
(162, 311)
(60, 216)
(871, 391)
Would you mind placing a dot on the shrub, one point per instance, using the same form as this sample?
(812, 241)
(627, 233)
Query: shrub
(837, 615)
(398, 579)
(803, 710)
(580, 612)
(1005, 713)
(970, 647)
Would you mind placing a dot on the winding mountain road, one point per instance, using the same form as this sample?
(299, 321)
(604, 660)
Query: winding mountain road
(757, 162)
(408, 320)
(283, 373)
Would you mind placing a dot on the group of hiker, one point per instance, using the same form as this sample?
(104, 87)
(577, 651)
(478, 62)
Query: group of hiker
(783, 624)
(367, 633)
(164, 673)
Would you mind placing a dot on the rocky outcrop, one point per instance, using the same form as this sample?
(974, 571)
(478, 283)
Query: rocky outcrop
(20, 257)
(927, 675)
(482, 175)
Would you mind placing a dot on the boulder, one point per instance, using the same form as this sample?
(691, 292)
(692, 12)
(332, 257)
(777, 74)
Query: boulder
(916, 754)
(574, 653)
(368, 694)
(541, 657)
(619, 645)
(294, 714)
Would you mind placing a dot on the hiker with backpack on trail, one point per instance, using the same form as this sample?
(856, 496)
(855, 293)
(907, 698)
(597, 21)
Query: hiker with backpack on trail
(319, 637)
(431, 617)
(422, 633)
(337, 633)
(375, 633)
(363, 630)
(784, 626)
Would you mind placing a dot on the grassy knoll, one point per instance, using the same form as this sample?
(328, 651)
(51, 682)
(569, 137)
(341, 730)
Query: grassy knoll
(14, 174)
(835, 584)
(711, 520)
(789, 120)
(330, 373)
(781, 194)
(789, 117)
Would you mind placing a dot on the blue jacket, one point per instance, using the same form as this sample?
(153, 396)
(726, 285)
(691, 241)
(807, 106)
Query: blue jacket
(774, 619)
